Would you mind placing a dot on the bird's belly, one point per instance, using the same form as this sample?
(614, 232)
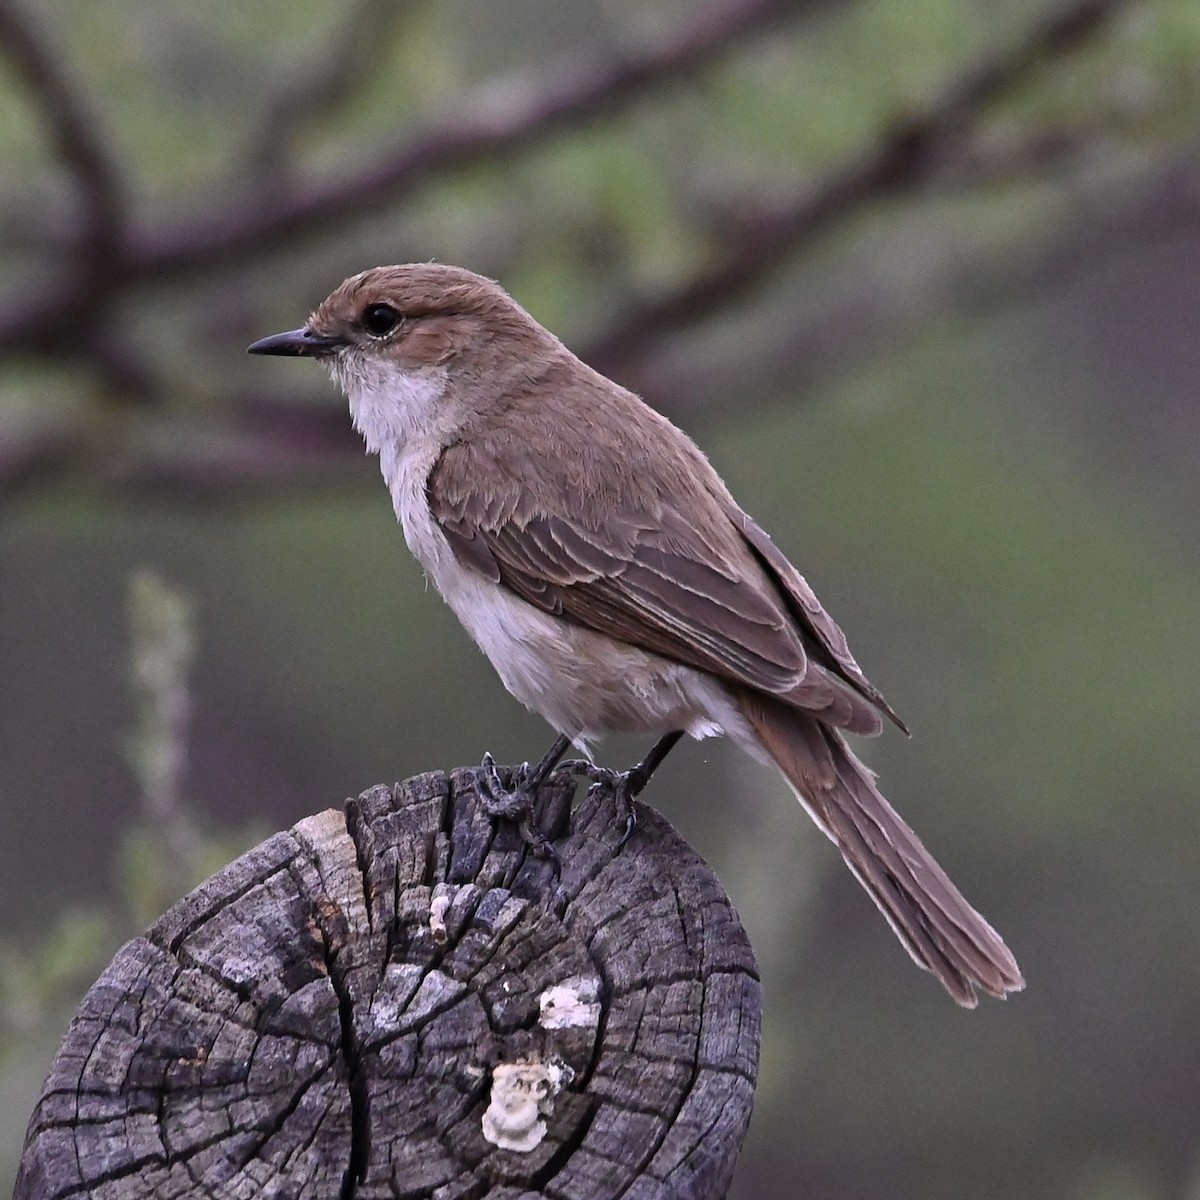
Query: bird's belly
(582, 682)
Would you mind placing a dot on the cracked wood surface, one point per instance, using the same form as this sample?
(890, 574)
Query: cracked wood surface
(327, 1015)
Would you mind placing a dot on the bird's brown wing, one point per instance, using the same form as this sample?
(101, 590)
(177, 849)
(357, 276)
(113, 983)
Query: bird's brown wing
(650, 577)
(808, 610)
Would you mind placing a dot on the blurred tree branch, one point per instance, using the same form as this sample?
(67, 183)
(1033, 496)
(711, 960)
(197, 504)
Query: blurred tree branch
(358, 52)
(484, 131)
(909, 154)
(854, 322)
(935, 147)
(489, 127)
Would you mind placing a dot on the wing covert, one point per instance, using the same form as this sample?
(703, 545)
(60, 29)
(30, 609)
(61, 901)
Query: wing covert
(709, 597)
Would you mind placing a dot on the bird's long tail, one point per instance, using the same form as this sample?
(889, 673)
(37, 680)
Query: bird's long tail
(941, 931)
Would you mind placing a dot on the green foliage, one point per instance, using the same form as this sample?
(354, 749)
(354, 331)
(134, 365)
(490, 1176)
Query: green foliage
(38, 985)
(160, 857)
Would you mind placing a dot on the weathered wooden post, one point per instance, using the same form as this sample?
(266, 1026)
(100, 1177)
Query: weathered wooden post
(400, 1000)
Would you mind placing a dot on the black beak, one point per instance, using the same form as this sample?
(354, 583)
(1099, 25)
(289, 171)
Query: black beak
(297, 343)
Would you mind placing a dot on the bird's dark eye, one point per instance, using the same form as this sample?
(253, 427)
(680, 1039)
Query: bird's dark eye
(380, 319)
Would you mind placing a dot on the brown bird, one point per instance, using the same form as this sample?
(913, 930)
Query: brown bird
(598, 560)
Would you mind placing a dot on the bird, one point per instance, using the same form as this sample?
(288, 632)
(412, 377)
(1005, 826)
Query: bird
(598, 560)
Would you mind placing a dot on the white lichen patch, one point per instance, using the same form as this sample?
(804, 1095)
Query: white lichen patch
(522, 1096)
(573, 1003)
(438, 908)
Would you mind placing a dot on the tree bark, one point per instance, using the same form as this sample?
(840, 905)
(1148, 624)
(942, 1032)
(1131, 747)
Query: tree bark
(401, 1000)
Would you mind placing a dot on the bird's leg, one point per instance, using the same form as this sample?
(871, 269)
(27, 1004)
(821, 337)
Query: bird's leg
(516, 803)
(627, 785)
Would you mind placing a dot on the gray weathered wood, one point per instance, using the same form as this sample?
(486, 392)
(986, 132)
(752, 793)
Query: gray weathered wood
(400, 1000)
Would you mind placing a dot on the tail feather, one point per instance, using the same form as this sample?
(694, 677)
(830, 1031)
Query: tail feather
(937, 926)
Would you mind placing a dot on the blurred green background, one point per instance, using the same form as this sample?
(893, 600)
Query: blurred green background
(922, 277)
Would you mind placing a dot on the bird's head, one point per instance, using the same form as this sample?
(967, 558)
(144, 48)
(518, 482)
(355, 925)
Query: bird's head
(396, 338)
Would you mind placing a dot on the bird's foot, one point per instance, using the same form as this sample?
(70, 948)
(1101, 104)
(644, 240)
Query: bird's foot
(624, 786)
(499, 801)
(515, 804)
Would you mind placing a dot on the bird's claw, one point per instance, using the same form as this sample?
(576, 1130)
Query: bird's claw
(540, 844)
(507, 803)
(624, 786)
(515, 804)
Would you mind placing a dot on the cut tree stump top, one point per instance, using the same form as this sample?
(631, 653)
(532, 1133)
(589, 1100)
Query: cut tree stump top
(400, 1000)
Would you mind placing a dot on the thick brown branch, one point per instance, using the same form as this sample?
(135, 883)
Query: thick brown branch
(241, 230)
(31, 455)
(76, 140)
(903, 157)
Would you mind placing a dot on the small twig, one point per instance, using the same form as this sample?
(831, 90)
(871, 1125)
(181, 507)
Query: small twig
(359, 50)
(1011, 157)
(851, 319)
(163, 648)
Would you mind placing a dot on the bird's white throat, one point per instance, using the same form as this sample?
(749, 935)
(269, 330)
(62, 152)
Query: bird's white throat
(390, 407)
(404, 419)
